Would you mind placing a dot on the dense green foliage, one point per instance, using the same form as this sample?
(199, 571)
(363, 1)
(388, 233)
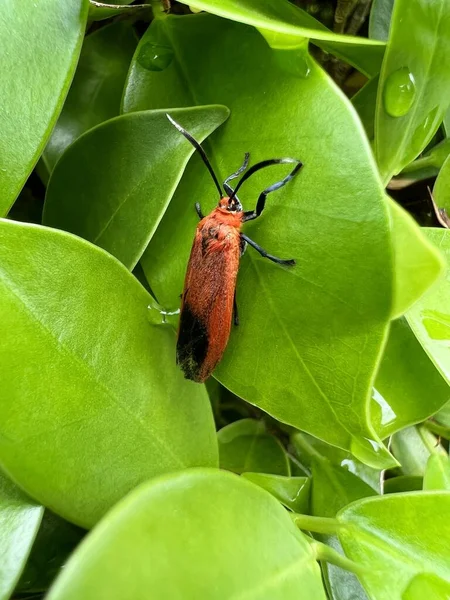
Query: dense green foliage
(314, 464)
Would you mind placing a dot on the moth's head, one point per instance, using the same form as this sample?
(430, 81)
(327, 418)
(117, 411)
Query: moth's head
(230, 204)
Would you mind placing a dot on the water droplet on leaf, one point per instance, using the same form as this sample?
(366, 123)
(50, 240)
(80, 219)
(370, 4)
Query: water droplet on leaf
(155, 57)
(399, 92)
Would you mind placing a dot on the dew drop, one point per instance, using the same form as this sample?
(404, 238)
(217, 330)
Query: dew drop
(399, 92)
(155, 57)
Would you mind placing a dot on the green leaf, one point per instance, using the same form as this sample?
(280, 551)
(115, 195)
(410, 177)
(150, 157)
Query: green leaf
(309, 449)
(429, 318)
(414, 83)
(364, 102)
(240, 542)
(403, 483)
(412, 447)
(400, 538)
(130, 167)
(275, 16)
(40, 46)
(99, 10)
(380, 19)
(408, 387)
(418, 262)
(91, 401)
(245, 445)
(329, 319)
(437, 473)
(97, 87)
(55, 540)
(443, 416)
(441, 190)
(429, 164)
(20, 518)
(293, 492)
(286, 26)
(333, 487)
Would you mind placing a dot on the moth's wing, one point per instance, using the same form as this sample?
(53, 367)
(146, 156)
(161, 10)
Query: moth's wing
(207, 306)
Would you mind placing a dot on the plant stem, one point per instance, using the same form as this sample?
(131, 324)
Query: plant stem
(317, 524)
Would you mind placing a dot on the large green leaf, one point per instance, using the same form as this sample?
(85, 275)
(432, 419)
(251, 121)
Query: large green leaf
(414, 89)
(20, 518)
(113, 185)
(408, 387)
(191, 535)
(429, 318)
(40, 46)
(91, 401)
(402, 539)
(287, 26)
(246, 445)
(97, 87)
(329, 314)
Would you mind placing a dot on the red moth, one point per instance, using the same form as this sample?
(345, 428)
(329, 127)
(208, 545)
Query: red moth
(209, 295)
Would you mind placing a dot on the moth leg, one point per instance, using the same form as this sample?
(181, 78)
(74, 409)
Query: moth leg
(249, 215)
(199, 210)
(280, 261)
(235, 310)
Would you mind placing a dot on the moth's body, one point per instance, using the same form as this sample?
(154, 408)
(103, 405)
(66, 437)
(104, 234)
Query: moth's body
(208, 299)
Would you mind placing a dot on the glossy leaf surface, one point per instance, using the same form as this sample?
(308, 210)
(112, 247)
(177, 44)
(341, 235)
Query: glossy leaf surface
(39, 55)
(429, 318)
(96, 90)
(241, 543)
(402, 539)
(437, 473)
(20, 518)
(245, 445)
(127, 180)
(408, 387)
(101, 405)
(319, 316)
(414, 85)
(293, 492)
